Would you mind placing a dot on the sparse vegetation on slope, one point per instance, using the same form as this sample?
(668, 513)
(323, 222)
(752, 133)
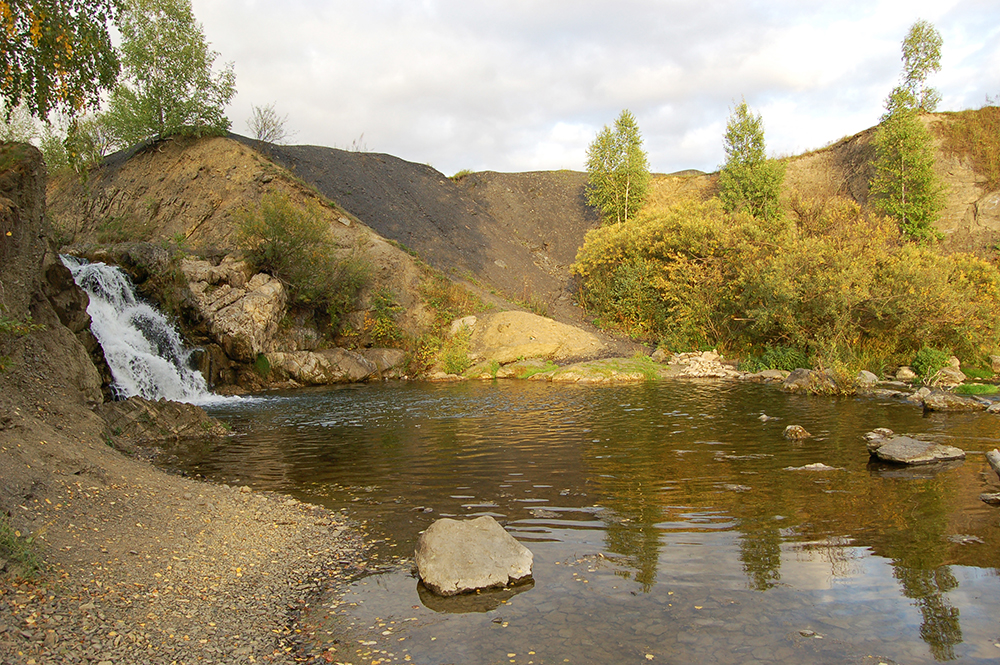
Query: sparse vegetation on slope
(292, 242)
(976, 136)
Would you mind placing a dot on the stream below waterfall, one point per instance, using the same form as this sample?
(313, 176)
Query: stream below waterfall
(669, 524)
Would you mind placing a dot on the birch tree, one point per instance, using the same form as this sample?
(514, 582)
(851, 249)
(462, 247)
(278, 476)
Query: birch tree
(617, 170)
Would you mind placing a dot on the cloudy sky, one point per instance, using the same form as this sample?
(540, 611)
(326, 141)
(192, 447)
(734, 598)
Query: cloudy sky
(519, 85)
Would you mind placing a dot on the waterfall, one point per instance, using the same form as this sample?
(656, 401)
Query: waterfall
(142, 348)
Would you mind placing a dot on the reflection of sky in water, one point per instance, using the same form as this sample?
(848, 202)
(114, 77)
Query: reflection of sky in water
(641, 505)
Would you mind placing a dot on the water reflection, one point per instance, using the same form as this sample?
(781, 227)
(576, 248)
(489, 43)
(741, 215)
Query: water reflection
(676, 486)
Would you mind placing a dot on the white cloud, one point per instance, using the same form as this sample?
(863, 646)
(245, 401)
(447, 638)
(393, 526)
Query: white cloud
(518, 85)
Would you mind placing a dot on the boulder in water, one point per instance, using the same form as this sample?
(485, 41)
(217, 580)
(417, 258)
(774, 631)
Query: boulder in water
(910, 451)
(866, 380)
(809, 381)
(455, 557)
(505, 337)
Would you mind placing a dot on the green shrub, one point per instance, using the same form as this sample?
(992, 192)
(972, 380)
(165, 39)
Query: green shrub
(455, 352)
(380, 320)
(929, 362)
(977, 389)
(531, 371)
(19, 548)
(292, 243)
(776, 357)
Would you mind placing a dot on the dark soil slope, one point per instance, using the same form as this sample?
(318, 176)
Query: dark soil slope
(546, 211)
(517, 233)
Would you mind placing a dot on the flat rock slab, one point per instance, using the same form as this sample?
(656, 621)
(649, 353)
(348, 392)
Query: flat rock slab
(906, 450)
(456, 557)
(942, 401)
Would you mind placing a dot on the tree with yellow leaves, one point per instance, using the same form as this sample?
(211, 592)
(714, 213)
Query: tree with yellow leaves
(56, 54)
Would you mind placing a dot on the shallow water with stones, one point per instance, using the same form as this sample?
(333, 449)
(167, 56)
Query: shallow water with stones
(668, 521)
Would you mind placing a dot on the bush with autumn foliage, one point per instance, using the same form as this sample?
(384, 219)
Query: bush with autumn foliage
(835, 282)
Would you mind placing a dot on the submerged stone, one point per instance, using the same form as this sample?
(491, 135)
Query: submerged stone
(796, 433)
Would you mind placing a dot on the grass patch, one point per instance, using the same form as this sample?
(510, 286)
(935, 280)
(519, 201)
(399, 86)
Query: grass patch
(124, 228)
(978, 372)
(977, 389)
(19, 548)
(532, 370)
(9, 328)
(776, 357)
(400, 246)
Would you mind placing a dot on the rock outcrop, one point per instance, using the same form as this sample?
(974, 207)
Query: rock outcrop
(33, 289)
(323, 367)
(242, 313)
(143, 421)
(456, 557)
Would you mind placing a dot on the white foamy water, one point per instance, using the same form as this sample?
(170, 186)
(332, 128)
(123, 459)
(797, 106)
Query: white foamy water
(142, 347)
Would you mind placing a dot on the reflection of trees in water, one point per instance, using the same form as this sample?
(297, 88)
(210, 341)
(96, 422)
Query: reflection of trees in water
(940, 628)
(918, 548)
(760, 552)
(638, 540)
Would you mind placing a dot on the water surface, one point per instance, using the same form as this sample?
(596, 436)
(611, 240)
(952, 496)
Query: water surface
(668, 521)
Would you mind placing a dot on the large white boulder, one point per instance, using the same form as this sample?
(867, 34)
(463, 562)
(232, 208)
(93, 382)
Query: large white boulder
(455, 557)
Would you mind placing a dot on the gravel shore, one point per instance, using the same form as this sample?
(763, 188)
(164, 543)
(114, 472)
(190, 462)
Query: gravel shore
(141, 566)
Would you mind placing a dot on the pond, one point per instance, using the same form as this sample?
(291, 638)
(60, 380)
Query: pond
(668, 521)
